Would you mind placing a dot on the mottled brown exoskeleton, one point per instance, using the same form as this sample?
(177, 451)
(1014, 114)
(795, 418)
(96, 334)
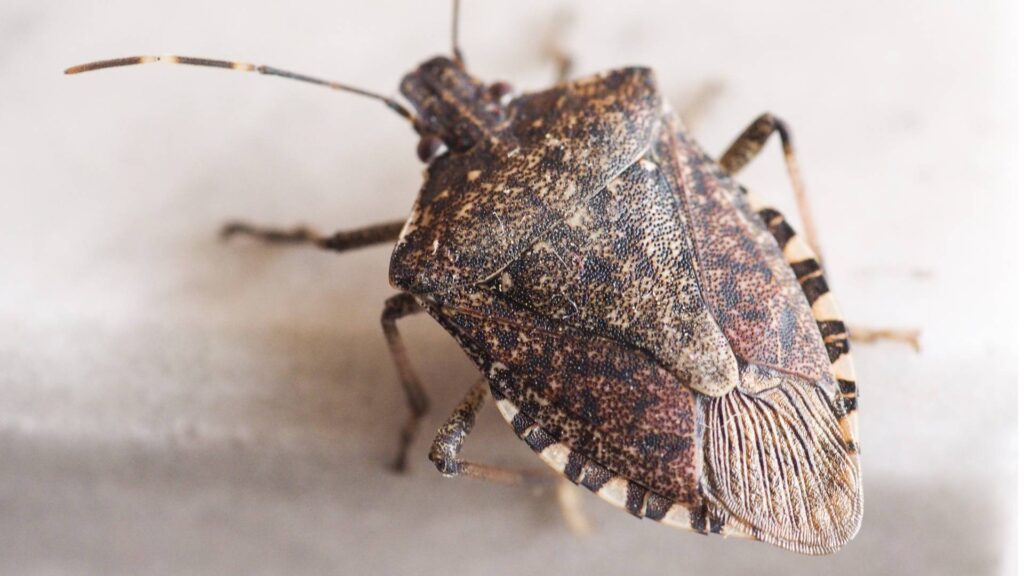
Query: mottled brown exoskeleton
(650, 329)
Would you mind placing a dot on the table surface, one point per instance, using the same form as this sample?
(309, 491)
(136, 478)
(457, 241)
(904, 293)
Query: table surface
(172, 404)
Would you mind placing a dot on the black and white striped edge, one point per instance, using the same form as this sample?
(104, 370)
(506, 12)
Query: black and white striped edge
(643, 503)
(810, 275)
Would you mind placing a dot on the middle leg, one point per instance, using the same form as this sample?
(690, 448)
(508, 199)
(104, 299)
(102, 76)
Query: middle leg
(395, 308)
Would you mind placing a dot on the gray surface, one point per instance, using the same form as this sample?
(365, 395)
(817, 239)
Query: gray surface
(174, 405)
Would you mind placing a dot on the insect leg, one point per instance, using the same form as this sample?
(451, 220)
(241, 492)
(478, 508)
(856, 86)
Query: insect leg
(554, 49)
(397, 307)
(572, 508)
(444, 453)
(749, 144)
(564, 62)
(869, 335)
(338, 242)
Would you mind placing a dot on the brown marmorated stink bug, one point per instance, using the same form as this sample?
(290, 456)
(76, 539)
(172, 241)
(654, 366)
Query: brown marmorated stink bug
(648, 327)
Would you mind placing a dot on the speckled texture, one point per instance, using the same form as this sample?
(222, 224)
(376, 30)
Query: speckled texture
(602, 399)
(746, 281)
(610, 267)
(456, 235)
(175, 405)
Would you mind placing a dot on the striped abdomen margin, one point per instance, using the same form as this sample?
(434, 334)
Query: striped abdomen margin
(614, 489)
(643, 503)
(809, 273)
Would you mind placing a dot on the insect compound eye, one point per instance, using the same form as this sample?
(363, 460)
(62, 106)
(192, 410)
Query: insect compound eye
(501, 92)
(430, 147)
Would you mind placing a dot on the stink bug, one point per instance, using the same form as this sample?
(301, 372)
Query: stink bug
(653, 331)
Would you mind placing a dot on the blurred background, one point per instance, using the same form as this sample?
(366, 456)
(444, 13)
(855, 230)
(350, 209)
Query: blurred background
(172, 404)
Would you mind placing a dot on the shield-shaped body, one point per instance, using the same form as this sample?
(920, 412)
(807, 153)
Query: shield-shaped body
(647, 329)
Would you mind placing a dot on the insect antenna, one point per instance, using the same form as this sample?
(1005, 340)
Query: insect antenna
(244, 67)
(456, 51)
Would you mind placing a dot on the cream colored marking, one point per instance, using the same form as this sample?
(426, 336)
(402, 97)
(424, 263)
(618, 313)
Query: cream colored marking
(436, 244)
(508, 410)
(843, 368)
(850, 431)
(731, 530)
(556, 456)
(825, 308)
(848, 423)
(838, 337)
(576, 220)
(756, 202)
(570, 190)
(537, 123)
(242, 66)
(796, 250)
(807, 277)
(410, 224)
(678, 516)
(501, 224)
(614, 491)
(149, 59)
(505, 283)
(648, 165)
(472, 175)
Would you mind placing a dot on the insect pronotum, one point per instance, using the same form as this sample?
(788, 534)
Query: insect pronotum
(651, 329)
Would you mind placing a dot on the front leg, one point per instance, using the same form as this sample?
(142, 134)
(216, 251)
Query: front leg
(337, 242)
(397, 307)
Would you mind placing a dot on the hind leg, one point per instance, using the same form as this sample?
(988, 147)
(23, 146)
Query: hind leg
(744, 149)
(445, 451)
(750, 143)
